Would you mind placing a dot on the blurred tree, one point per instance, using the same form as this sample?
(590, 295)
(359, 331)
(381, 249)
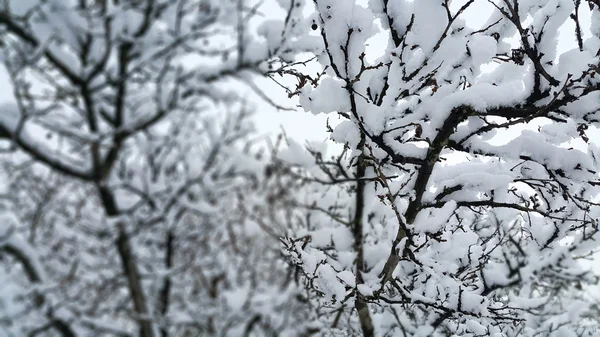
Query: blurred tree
(129, 171)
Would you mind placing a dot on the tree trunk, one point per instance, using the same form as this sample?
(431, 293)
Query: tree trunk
(134, 282)
(361, 305)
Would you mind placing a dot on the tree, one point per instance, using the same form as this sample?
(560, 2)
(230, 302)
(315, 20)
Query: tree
(131, 177)
(468, 189)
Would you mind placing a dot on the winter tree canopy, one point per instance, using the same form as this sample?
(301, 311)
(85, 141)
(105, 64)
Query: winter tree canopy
(136, 199)
(469, 190)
